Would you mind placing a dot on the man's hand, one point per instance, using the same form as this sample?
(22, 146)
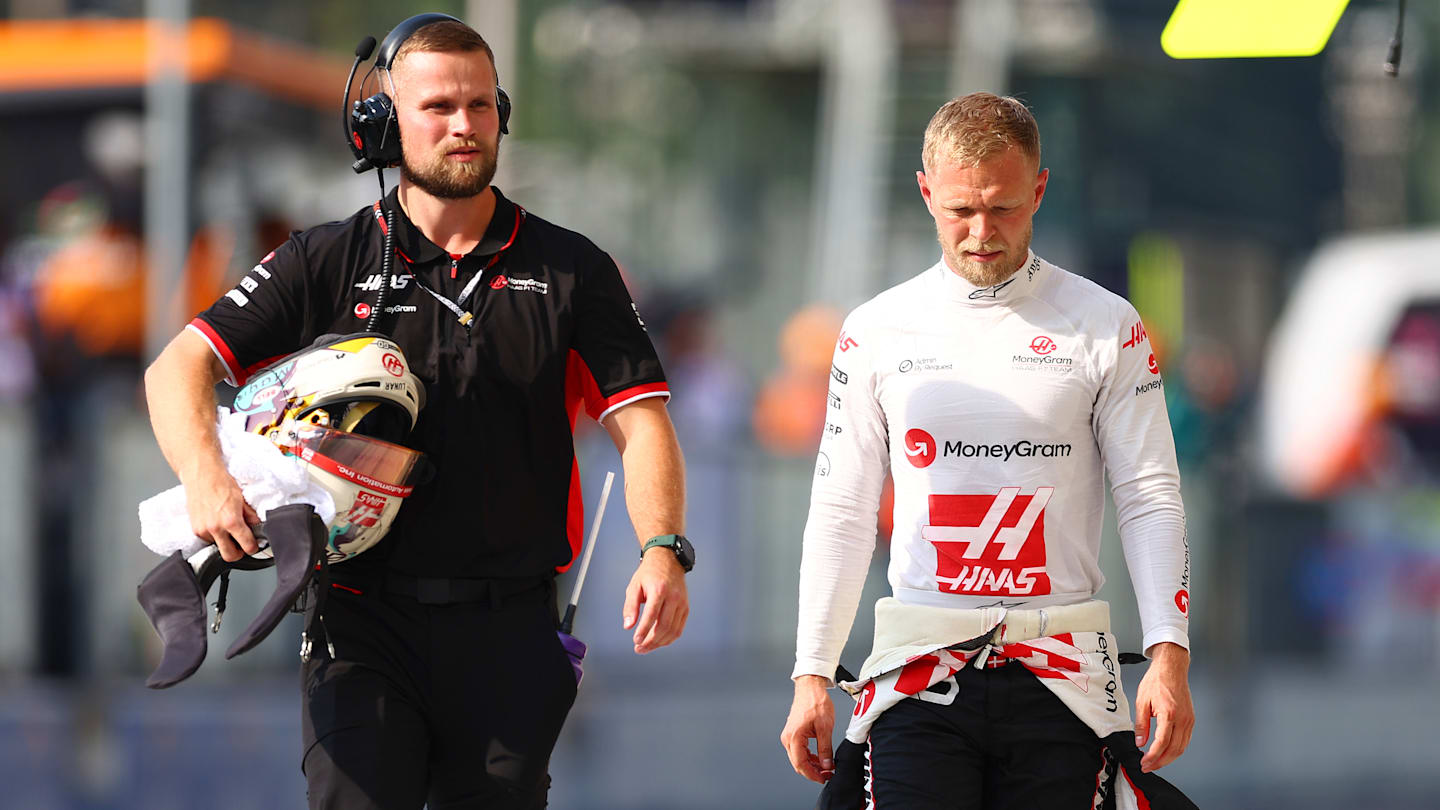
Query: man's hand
(1164, 694)
(220, 515)
(812, 716)
(658, 585)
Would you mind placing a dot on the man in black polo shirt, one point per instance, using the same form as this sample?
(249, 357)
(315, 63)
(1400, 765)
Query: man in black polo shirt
(435, 694)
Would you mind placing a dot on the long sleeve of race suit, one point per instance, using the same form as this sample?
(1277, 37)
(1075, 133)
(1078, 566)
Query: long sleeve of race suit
(1132, 429)
(840, 533)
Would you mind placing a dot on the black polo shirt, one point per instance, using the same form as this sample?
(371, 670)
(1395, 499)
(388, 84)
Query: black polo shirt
(554, 328)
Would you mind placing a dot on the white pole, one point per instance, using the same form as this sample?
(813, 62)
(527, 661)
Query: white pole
(568, 622)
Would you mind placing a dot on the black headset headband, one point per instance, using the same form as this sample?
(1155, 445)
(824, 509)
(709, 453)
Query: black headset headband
(397, 36)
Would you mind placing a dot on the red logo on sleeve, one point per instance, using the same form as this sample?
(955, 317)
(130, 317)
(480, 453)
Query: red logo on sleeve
(1154, 366)
(1182, 601)
(1137, 335)
(846, 343)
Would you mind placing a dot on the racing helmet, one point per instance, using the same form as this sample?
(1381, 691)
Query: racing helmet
(342, 406)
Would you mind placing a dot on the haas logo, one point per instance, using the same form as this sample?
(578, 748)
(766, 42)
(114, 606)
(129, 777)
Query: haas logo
(393, 364)
(1042, 345)
(919, 447)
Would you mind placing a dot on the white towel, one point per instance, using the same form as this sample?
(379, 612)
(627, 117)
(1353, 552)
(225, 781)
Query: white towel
(266, 476)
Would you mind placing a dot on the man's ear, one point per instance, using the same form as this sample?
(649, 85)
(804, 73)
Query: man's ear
(924, 191)
(1040, 182)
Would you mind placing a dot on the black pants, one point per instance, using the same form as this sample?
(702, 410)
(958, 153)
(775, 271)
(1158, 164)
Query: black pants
(1004, 742)
(457, 705)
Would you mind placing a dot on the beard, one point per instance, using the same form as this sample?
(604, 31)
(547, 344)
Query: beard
(987, 274)
(446, 179)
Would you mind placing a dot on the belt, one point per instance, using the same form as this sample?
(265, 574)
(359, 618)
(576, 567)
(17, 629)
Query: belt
(442, 591)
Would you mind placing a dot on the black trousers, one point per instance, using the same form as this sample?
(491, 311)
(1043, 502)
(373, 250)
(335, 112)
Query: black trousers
(454, 705)
(994, 739)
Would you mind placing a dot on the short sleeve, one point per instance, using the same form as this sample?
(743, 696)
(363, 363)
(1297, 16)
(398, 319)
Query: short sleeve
(262, 317)
(612, 342)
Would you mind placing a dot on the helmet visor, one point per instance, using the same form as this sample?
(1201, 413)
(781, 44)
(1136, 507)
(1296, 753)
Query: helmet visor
(369, 462)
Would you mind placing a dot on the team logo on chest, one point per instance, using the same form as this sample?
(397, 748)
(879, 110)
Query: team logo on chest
(990, 545)
(1040, 355)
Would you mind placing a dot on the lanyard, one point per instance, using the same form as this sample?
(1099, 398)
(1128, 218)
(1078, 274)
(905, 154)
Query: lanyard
(466, 319)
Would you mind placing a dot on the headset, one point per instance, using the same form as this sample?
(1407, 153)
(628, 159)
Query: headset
(373, 132)
(371, 128)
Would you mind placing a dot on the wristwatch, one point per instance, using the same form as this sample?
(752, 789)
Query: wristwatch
(684, 552)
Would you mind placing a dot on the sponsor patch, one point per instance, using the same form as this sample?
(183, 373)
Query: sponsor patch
(1137, 335)
(923, 364)
(919, 448)
(990, 545)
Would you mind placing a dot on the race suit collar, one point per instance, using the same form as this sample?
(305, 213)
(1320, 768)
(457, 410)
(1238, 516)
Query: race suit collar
(1020, 284)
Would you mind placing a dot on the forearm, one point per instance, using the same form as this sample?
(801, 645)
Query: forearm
(832, 577)
(654, 471)
(180, 395)
(1151, 523)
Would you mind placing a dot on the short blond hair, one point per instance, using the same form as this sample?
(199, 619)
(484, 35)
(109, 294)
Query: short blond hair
(446, 36)
(972, 128)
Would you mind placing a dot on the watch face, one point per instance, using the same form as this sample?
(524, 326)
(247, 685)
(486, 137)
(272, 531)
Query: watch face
(685, 552)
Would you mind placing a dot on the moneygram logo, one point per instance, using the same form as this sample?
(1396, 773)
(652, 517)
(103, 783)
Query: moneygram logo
(919, 448)
(1004, 452)
(1182, 601)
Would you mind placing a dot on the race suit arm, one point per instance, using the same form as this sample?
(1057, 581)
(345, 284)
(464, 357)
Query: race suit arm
(844, 499)
(1133, 431)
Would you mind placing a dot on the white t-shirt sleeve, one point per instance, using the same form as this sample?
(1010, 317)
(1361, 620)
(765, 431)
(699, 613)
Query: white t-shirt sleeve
(844, 501)
(1132, 428)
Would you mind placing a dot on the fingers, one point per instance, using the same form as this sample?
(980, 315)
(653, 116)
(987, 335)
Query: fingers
(797, 748)
(824, 728)
(670, 611)
(1142, 721)
(650, 614)
(631, 608)
(1172, 737)
(220, 515)
(1157, 755)
(806, 722)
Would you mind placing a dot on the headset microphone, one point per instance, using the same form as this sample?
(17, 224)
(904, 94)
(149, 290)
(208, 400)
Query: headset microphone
(1392, 57)
(362, 52)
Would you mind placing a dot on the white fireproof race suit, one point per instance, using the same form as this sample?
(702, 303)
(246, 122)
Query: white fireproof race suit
(997, 410)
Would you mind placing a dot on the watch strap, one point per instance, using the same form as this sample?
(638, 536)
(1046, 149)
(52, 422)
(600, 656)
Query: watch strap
(668, 540)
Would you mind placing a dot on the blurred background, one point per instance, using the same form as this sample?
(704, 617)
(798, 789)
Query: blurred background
(750, 165)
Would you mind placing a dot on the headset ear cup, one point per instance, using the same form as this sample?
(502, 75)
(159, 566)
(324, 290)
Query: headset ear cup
(375, 132)
(502, 105)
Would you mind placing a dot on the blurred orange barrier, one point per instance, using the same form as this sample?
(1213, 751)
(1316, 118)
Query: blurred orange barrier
(62, 54)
